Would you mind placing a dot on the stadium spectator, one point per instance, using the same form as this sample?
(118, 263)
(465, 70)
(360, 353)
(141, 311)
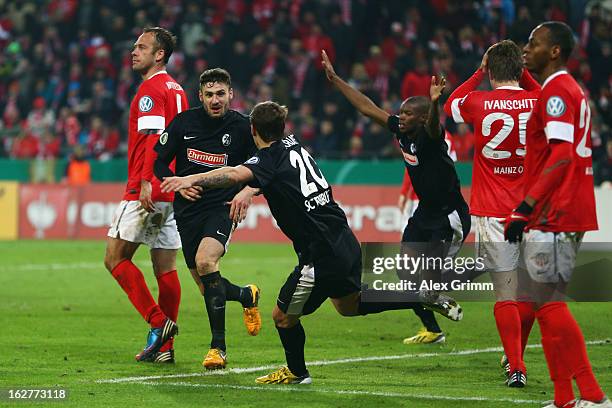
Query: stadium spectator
(40, 119)
(10, 128)
(377, 142)
(603, 169)
(464, 142)
(416, 81)
(78, 169)
(25, 146)
(76, 54)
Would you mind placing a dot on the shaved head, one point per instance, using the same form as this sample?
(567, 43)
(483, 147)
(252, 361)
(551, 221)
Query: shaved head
(419, 104)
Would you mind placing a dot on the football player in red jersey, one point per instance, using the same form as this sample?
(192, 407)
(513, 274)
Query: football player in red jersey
(145, 215)
(499, 118)
(558, 168)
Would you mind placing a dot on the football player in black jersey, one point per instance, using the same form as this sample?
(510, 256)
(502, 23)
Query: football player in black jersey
(202, 139)
(302, 202)
(441, 221)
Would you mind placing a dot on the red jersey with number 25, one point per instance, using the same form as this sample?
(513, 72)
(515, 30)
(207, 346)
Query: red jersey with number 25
(157, 101)
(562, 113)
(499, 118)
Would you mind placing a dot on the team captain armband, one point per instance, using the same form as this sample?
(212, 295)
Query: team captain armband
(559, 119)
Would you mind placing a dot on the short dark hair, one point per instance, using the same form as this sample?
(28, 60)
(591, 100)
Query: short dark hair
(561, 34)
(216, 75)
(419, 103)
(164, 40)
(268, 119)
(505, 62)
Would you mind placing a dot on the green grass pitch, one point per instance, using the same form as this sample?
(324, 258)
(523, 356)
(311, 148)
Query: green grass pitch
(66, 323)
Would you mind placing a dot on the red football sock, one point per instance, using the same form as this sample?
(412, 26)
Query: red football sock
(133, 284)
(508, 323)
(169, 299)
(527, 314)
(559, 373)
(169, 294)
(557, 322)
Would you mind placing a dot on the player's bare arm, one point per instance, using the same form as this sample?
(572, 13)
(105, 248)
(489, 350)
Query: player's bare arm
(219, 178)
(433, 117)
(356, 98)
(146, 188)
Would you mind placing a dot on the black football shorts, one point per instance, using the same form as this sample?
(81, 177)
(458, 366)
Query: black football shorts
(331, 274)
(210, 223)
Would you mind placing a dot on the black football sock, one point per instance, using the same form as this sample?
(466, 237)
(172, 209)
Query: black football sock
(370, 307)
(377, 307)
(214, 297)
(293, 340)
(428, 319)
(232, 292)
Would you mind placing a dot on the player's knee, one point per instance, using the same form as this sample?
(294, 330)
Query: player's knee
(206, 265)
(284, 320)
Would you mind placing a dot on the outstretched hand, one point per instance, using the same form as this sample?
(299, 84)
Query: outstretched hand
(192, 193)
(436, 88)
(175, 184)
(327, 66)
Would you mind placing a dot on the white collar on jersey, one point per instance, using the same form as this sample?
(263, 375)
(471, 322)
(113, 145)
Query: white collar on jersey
(553, 76)
(514, 88)
(157, 73)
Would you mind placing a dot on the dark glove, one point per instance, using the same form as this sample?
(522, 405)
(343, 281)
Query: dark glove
(516, 222)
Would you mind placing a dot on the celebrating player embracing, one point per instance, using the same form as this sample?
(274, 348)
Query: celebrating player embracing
(302, 202)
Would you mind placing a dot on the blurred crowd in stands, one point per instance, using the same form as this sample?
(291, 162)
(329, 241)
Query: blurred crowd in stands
(66, 77)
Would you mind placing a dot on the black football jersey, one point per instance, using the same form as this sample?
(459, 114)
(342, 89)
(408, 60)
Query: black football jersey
(201, 144)
(431, 169)
(299, 197)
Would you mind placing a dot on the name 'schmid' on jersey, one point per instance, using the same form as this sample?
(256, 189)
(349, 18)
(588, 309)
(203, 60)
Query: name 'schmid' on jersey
(299, 196)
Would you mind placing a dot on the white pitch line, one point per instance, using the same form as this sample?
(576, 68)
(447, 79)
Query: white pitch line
(243, 370)
(57, 266)
(308, 389)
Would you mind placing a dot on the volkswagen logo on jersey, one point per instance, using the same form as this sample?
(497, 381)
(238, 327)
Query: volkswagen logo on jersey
(226, 139)
(555, 106)
(145, 104)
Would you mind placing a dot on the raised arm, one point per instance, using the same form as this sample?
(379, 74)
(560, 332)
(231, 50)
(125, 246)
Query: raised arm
(471, 84)
(356, 98)
(451, 107)
(433, 117)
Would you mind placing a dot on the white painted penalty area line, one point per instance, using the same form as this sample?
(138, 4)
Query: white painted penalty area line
(308, 389)
(243, 370)
(60, 266)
